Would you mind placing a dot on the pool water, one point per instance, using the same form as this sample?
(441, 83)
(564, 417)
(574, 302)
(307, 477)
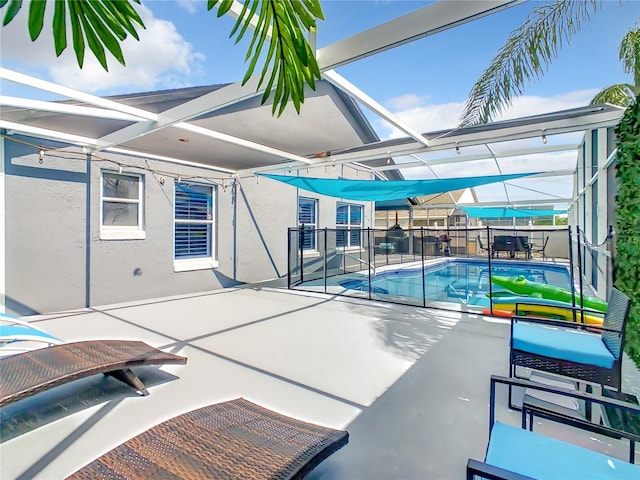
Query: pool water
(457, 280)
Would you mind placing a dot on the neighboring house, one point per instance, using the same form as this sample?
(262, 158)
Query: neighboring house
(92, 230)
(424, 211)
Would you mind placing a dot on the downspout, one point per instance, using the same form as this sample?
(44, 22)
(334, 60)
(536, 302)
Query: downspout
(234, 221)
(2, 229)
(87, 237)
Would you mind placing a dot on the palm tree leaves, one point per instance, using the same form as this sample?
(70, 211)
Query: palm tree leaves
(623, 94)
(99, 24)
(289, 63)
(525, 57)
(630, 54)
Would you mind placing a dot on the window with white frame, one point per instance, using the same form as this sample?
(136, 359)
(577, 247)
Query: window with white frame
(307, 216)
(194, 226)
(121, 212)
(348, 225)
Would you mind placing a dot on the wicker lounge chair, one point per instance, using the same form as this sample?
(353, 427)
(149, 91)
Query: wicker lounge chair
(570, 351)
(31, 372)
(516, 453)
(235, 439)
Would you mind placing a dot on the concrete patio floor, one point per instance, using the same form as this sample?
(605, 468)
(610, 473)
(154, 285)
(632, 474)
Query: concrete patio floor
(411, 385)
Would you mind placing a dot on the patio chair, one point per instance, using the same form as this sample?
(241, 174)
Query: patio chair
(540, 248)
(517, 453)
(234, 439)
(14, 331)
(565, 348)
(481, 245)
(34, 371)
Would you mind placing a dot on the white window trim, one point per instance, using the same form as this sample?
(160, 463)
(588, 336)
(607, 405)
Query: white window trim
(201, 263)
(191, 264)
(108, 232)
(348, 226)
(311, 252)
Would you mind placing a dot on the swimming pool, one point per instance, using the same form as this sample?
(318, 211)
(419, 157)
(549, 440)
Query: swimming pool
(462, 281)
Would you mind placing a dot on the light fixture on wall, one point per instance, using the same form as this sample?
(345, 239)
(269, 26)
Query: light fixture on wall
(388, 158)
(544, 138)
(41, 157)
(457, 149)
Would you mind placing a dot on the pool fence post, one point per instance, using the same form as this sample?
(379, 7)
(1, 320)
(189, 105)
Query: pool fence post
(578, 233)
(369, 259)
(424, 286)
(324, 267)
(289, 232)
(572, 274)
(302, 253)
(489, 263)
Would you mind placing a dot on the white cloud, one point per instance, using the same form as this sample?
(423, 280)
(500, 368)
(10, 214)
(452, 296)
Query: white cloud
(405, 102)
(527, 105)
(434, 117)
(162, 58)
(425, 119)
(190, 6)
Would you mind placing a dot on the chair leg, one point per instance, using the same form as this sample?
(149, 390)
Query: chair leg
(131, 379)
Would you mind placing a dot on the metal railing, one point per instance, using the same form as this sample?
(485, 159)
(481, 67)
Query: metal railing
(319, 259)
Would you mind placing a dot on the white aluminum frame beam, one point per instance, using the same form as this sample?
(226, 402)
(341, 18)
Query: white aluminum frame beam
(595, 119)
(71, 93)
(94, 145)
(479, 156)
(86, 142)
(57, 107)
(434, 18)
(336, 79)
(527, 203)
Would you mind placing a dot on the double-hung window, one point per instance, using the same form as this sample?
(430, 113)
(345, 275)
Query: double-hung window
(307, 216)
(194, 227)
(348, 225)
(121, 201)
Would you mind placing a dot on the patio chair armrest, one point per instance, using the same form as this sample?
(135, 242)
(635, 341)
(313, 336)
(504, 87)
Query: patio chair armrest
(563, 323)
(475, 468)
(552, 322)
(590, 397)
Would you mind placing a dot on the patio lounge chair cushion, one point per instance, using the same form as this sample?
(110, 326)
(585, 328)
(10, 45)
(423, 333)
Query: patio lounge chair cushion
(14, 333)
(235, 439)
(537, 456)
(563, 344)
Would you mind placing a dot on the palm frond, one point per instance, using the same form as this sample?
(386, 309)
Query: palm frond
(622, 94)
(630, 54)
(526, 56)
(99, 24)
(290, 63)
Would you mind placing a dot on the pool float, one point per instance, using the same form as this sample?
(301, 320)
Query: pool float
(543, 307)
(498, 313)
(522, 286)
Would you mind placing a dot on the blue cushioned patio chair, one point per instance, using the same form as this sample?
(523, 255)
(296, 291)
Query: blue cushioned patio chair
(569, 348)
(17, 335)
(516, 453)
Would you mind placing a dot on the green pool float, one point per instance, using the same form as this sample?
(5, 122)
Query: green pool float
(522, 286)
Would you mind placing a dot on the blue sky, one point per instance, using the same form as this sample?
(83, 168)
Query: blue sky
(425, 82)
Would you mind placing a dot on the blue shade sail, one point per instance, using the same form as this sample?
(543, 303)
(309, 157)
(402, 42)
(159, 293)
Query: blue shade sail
(374, 190)
(507, 212)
